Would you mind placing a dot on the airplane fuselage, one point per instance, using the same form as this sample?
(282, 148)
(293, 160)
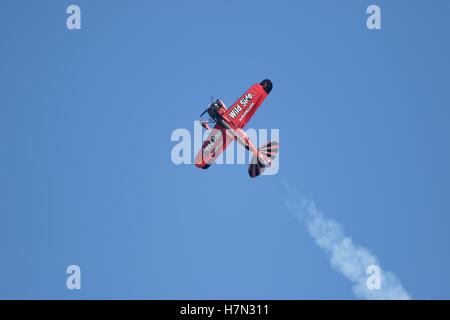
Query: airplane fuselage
(218, 114)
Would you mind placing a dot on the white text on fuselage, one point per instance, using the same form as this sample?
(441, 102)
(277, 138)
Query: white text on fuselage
(246, 111)
(241, 104)
(213, 139)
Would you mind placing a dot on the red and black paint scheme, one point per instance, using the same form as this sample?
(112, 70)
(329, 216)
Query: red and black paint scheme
(229, 124)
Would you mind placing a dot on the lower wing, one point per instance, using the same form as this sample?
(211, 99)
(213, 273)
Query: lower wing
(217, 141)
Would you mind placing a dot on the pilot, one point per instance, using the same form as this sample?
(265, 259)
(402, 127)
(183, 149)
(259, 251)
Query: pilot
(221, 108)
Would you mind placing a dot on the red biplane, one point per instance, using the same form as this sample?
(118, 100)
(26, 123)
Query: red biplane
(229, 124)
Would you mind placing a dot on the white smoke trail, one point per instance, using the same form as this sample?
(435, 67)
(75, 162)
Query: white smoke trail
(347, 258)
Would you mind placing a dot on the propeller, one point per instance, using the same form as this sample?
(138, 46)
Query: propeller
(212, 97)
(204, 112)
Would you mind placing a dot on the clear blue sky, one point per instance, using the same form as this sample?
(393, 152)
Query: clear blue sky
(85, 123)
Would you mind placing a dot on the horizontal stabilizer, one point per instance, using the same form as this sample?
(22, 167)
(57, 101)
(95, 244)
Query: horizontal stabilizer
(266, 153)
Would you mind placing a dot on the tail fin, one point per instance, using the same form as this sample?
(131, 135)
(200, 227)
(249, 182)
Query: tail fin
(266, 153)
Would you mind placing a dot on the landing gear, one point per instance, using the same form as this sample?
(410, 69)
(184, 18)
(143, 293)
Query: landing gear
(205, 125)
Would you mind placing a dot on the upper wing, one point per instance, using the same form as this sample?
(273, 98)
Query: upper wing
(243, 109)
(218, 139)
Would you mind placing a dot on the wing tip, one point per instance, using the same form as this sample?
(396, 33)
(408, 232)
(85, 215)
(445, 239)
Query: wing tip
(203, 165)
(267, 85)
